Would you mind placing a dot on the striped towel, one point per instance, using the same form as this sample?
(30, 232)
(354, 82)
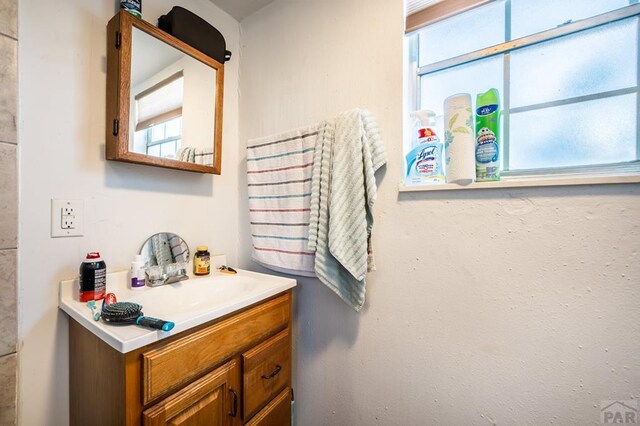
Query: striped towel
(204, 157)
(196, 155)
(348, 152)
(279, 178)
(162, 249)
(179, 249)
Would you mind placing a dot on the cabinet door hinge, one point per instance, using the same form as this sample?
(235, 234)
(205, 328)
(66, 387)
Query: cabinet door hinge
(118, 39)
(116, 126)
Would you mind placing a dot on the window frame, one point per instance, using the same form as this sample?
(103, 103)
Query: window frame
(148, 136)
(629, 170)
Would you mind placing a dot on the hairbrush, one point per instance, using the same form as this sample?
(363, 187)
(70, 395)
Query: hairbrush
(121, 313)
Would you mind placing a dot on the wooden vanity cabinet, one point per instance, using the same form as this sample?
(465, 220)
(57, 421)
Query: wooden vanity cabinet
(231, 371)
(203, 402)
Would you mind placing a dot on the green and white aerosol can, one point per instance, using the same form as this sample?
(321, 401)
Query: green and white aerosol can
(488, 136)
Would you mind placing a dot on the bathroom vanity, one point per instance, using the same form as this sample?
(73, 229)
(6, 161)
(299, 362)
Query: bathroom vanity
(226, 362)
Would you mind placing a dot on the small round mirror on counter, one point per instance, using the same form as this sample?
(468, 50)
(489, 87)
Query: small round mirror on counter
(163, 249)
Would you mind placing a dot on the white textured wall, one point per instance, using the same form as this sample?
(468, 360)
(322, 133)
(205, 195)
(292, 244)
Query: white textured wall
(488, 307)
(62, 119)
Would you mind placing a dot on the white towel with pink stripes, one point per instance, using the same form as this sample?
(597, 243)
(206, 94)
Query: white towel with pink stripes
(279, 169)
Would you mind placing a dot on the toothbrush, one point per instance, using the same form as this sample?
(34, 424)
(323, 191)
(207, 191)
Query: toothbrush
(92, 305)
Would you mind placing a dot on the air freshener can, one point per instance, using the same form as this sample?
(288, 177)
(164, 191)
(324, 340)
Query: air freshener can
(93, 278)
(488, 136)
(132, 6)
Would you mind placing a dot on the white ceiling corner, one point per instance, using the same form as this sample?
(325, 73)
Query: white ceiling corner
(240, 9)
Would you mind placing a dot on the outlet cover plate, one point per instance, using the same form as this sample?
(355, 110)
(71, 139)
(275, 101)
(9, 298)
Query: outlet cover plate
(67, 218)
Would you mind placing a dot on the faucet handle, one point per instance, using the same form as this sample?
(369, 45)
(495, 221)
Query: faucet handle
(168, 274)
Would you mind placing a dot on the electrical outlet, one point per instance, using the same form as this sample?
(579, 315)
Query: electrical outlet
(67, 218)
(67, 221)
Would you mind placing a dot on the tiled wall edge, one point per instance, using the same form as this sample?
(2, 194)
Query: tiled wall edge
(8, 362)
(8, 301)
(9, 89)
(8, 392)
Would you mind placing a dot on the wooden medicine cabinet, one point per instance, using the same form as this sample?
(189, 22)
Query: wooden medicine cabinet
(164, 99)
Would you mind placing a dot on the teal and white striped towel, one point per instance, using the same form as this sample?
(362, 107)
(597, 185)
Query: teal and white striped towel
(279, 178)
(349, 150)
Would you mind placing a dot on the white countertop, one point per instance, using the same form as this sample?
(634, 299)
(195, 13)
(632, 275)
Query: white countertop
(187, 303)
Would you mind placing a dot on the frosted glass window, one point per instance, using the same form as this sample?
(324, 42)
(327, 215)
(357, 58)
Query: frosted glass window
(580, 64)
(154, 150)
(168, 149)
(572, 100)
(173, 127)
(464, 33)
(157, 133)
(532, 16)
(475, 77)
(595, 132)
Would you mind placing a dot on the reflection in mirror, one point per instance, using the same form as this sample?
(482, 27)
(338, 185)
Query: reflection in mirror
(172, 112)
(164, 99)
(163, 249)
(158, 114)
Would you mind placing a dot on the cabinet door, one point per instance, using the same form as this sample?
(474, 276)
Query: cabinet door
(276, 413)
(210, 401)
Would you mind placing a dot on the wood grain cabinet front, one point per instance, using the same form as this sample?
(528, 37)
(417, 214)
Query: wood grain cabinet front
(231, 371)
(164, 368)
(209, 401)
(276, 413)
(267, 371)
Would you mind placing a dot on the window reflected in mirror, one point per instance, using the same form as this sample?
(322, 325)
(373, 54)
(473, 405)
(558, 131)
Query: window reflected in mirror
(170, 118)
(158, 115)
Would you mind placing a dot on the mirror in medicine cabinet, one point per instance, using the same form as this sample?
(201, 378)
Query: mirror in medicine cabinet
(164, 99)
(166, 258)
(163, 249)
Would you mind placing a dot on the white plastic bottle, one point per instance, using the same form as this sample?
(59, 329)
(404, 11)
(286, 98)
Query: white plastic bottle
(424, 161)
(137, 273)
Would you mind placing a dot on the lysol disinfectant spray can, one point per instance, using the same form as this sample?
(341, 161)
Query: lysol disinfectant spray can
(488, 136)
(132, 6)
(424, 161)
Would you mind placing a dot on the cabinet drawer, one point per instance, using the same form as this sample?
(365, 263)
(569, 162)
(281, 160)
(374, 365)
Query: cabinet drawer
(276, 413)
(170, 366)
(267, 370)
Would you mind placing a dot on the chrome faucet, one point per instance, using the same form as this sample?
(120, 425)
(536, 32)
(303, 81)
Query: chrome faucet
(169, 274)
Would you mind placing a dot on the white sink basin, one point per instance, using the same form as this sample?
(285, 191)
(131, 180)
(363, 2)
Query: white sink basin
(194, 295)
(187, 303)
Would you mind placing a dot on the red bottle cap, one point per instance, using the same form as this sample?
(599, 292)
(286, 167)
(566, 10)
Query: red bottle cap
(426, 132)
(93, 255)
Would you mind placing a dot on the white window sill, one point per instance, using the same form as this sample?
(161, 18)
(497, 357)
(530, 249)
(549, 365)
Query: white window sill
(526, 182)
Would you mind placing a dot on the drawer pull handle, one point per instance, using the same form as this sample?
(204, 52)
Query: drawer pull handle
(234, 409)
(273, 374)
